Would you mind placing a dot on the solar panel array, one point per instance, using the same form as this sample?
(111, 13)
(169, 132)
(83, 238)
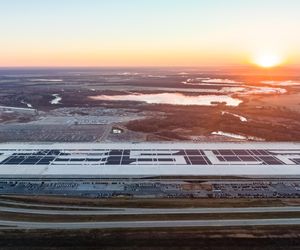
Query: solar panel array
(240, 155)
(148, 157)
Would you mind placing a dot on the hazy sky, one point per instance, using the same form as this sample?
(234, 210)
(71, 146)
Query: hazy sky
(146, 32)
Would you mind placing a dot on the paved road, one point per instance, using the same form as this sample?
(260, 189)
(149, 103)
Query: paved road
(21, 204)
(108, 128)
(147, 224)
(144, 211)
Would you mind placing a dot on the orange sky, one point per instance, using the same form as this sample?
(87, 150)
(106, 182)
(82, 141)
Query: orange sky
(147, 33)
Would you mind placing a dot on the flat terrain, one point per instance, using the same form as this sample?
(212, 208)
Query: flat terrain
(138, 105)
(151, 203)
(270, 238)
(145, 160)
(148, 104)
(217, 224)
(29, 215)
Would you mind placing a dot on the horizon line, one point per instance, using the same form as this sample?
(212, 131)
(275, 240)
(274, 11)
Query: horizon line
(147, 66)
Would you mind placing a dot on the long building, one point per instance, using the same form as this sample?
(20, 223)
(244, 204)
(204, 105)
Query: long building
(86, 160)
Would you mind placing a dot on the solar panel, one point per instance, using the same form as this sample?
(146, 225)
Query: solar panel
(220, 158)
(231, 158)
(207, 160)
(180, 152)
(192, 152)
(116, 152)
(63, 159)
(247, 158)
(270, 160)
(164, 159)
(241, 152)
(77, 160)
(31, 160)
(198, 160)
(149, 156)
(225, 152)
(14, 160)
(93, 159)
(187, 160)
(296, 161)
(145, 159)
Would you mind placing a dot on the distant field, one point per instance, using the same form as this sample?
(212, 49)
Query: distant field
(154, 203)
(228, 105)
(163, 217)
(189, 238)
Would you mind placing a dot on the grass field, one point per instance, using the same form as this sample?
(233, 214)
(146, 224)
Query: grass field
(153, 203)
(161, 217)
(268, 238)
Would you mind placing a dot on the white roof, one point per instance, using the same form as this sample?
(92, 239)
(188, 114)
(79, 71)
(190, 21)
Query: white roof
(149, 159)
(152, 145)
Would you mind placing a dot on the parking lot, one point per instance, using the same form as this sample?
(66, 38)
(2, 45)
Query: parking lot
(156, 189)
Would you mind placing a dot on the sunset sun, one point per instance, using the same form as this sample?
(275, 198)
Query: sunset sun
(268, 60)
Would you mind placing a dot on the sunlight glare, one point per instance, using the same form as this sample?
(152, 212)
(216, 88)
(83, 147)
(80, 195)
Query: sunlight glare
(268, 60)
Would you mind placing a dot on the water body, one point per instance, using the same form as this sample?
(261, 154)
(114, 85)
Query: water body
(173, 99)
(46, 80)
(242, 118)
(241, 87)
(56, 99)
(236, 136)
(27, 104)
(282, 83)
